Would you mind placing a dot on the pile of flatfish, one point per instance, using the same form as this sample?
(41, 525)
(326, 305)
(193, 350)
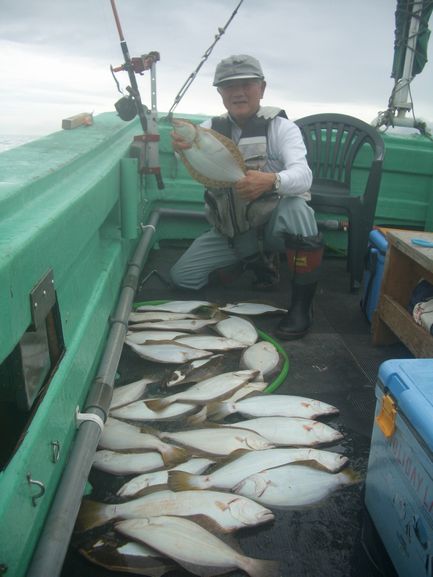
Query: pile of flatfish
(203, 452)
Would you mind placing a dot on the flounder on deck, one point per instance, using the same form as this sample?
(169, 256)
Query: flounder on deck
(213, 159)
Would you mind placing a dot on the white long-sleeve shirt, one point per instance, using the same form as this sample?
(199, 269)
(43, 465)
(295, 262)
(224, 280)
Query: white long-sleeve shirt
(286, 155)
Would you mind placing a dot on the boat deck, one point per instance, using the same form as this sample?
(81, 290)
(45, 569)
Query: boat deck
(336, 363)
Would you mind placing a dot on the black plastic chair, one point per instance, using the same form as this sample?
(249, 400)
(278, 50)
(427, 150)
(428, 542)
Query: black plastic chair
(333, 143)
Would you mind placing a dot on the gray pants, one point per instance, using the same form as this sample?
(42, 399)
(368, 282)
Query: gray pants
(212, 251)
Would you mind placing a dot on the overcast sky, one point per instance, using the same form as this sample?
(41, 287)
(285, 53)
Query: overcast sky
(317, 55)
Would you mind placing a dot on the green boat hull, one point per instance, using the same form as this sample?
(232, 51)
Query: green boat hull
(72, 203)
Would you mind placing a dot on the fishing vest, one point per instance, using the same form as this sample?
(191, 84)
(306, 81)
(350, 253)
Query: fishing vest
(228, 213)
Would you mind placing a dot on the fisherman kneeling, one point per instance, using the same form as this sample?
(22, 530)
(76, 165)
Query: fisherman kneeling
(266, 211)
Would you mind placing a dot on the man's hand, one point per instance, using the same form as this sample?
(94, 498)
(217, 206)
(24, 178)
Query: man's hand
(179, 143)
(254, 184)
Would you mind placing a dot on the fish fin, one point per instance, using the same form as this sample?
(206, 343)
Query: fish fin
(203, 424)
(158, 404)
(218, 410)
(351, 476)
(314, 464)
(235, 455)
(147, 490)
(182, 481)
(110, 558)
(197, 418)
(205, 311)
(219, 314)
(173, 456)
(226, 459)
(331, 412)
(260, 567)
(209, 524)
(92, 514)
(148, 429)
(196, 569)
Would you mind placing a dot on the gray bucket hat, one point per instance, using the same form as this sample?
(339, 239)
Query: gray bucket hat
(237, 67)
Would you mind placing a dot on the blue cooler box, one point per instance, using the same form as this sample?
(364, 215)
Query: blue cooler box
(373, 274)
(399, 483)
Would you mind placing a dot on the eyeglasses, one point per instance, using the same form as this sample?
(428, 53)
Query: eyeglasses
(245, 84)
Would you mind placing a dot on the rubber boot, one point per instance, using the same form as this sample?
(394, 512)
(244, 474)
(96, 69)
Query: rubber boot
(304, 257)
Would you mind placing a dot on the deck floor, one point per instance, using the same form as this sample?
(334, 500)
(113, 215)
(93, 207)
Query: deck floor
(335, 363)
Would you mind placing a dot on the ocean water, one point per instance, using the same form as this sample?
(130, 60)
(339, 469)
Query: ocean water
(12, 141)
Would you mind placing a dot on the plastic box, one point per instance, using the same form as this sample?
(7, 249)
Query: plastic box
(373, 274)
(399, 483)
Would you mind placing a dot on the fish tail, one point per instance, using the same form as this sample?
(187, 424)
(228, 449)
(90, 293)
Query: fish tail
(93, 514)
(173, 456)
(198, 418)
(182, 481)
(351, 476)
(158, 404)
(260, 567)
(217, 411)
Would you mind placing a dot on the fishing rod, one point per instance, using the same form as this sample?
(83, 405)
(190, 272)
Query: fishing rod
(145, 146)
(130, 68)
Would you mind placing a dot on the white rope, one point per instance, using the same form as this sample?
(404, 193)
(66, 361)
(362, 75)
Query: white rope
(205, 56)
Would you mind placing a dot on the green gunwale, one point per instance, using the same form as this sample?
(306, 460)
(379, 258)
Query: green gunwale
(61, 203)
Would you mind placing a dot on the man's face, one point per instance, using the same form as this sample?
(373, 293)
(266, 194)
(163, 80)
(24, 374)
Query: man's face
(242, 98)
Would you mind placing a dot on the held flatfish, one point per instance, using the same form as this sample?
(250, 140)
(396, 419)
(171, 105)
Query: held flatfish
(168, 352)
(175, 306)
(213, 159)
(193, 547)
(251, 309)
(262, 356)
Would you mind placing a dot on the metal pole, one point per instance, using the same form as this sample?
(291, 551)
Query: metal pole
(401, 99)
(54, 542)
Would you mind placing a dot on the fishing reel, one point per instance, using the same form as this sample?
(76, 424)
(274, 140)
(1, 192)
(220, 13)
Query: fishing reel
(126, 108)
(145, 147)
